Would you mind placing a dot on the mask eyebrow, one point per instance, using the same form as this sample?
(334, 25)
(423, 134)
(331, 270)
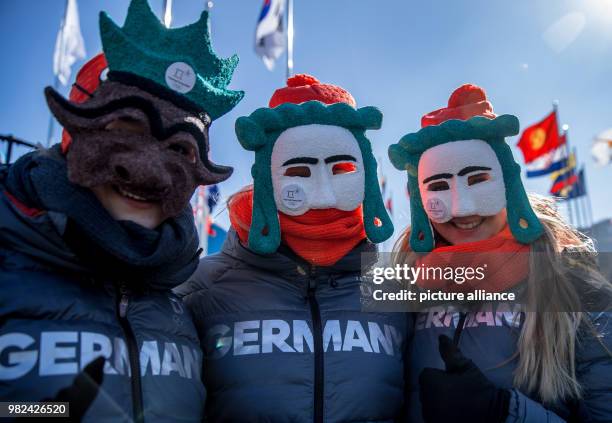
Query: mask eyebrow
(340, 158)
(438, 176)
(301, 160)
(470, 169)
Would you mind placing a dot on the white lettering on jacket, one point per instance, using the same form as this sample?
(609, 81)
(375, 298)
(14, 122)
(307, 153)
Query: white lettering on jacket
(267, 336)
(68, 352)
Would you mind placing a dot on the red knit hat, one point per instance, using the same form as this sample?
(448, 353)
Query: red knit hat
(302, 87)
(465, 102)
(87, 81)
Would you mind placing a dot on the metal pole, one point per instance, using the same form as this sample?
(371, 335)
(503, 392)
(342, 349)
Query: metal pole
(588, 199)
(289, 38)
(208, 5)
(56, 79)
(9, 150)
(568, 151)
(167, 13)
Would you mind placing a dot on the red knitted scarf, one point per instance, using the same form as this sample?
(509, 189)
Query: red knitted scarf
(321, 237)
(505, 262)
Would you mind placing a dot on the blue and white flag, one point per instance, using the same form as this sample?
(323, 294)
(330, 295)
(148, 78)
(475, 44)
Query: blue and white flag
(270, 33)
(548, 163)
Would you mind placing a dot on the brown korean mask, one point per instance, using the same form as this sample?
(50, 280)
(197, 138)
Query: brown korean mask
(137, 142)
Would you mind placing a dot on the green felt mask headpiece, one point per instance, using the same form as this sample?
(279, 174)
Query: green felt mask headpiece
(259, 132)
(405, 155)
(179, 61)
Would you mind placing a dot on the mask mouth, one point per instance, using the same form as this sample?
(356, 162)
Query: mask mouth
(136, 195)
(467, 223)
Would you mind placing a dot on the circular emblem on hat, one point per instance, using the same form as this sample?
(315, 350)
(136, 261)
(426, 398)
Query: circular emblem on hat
(537, 138)
(293, 196)
(180, 77)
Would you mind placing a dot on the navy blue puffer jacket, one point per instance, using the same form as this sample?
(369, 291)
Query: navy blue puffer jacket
(56, 317)
(287, 342)
(489, 338)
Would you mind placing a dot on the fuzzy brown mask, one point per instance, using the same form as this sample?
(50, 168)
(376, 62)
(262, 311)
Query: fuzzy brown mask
(164, 159)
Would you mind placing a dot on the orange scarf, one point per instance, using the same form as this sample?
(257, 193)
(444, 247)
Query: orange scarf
(505, 262)
(321, 237)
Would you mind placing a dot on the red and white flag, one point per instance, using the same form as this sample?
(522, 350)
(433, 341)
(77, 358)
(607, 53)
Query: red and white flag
(540, 138)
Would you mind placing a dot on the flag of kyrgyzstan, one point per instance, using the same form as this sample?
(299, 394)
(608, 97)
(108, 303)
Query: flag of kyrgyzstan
(540, 138)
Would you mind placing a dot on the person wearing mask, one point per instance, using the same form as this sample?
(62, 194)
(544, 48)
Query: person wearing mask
(95, 232)
(278, 310)
(542, 358)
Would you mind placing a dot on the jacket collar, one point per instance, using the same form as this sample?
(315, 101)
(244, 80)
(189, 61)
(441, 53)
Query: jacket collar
(285, 261)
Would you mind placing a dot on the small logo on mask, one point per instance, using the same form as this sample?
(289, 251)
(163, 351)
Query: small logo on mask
(436, 209)
(180, 77)
(293, 196)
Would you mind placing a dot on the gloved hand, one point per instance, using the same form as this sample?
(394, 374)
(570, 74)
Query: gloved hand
(461, 393)
(82, 393)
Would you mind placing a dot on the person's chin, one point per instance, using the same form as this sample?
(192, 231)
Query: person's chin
(122, 206)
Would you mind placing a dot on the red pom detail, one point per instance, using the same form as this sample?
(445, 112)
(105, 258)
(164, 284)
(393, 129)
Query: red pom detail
(466, 94)
(302, 79)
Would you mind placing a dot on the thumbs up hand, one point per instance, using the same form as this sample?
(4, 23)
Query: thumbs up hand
(461, 393)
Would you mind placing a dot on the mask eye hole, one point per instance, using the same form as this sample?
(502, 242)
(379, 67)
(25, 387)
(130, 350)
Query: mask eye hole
(438, 186)
(184, 150)
(300, 171)
(478, 178)
(127, 124)
(344, 167)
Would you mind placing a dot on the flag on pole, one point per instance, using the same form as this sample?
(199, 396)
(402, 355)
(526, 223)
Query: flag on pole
(270, 33)
(601, 150)
(212, 198)
(541, 138)
(579, 188)
(568, 164)
(564, 179)
(549, 162)
(69, 45)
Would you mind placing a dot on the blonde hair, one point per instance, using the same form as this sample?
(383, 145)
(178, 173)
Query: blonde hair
(547, 343)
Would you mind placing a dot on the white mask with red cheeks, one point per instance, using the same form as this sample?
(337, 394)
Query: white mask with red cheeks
(317, 167)
(459, 179)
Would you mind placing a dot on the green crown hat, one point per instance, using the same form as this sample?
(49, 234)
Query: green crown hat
(180, 60)
(259, 132)
(405, 155)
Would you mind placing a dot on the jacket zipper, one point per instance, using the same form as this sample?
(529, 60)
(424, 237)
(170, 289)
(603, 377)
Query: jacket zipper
(133, 355)
(459, 329)
(318, 347)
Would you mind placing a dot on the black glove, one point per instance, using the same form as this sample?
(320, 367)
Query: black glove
(461, 393)
(83, 391)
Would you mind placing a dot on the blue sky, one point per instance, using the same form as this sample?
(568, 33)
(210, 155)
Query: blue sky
(404, 57)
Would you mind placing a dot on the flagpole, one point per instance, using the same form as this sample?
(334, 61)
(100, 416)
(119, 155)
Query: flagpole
(588, 199)
(56, 78)
(568, 151)
(289, 38)
(167, 13)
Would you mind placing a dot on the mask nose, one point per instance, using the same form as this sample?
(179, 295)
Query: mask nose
(324, 197)
(140, 170)
(463, 201)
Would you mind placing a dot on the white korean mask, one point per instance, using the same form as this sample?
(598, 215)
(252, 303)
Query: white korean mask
(317, 167)
(461, 178)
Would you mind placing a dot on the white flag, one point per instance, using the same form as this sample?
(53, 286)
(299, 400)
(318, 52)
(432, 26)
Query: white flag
(69, 45)
(602, 148)
(270, 33)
